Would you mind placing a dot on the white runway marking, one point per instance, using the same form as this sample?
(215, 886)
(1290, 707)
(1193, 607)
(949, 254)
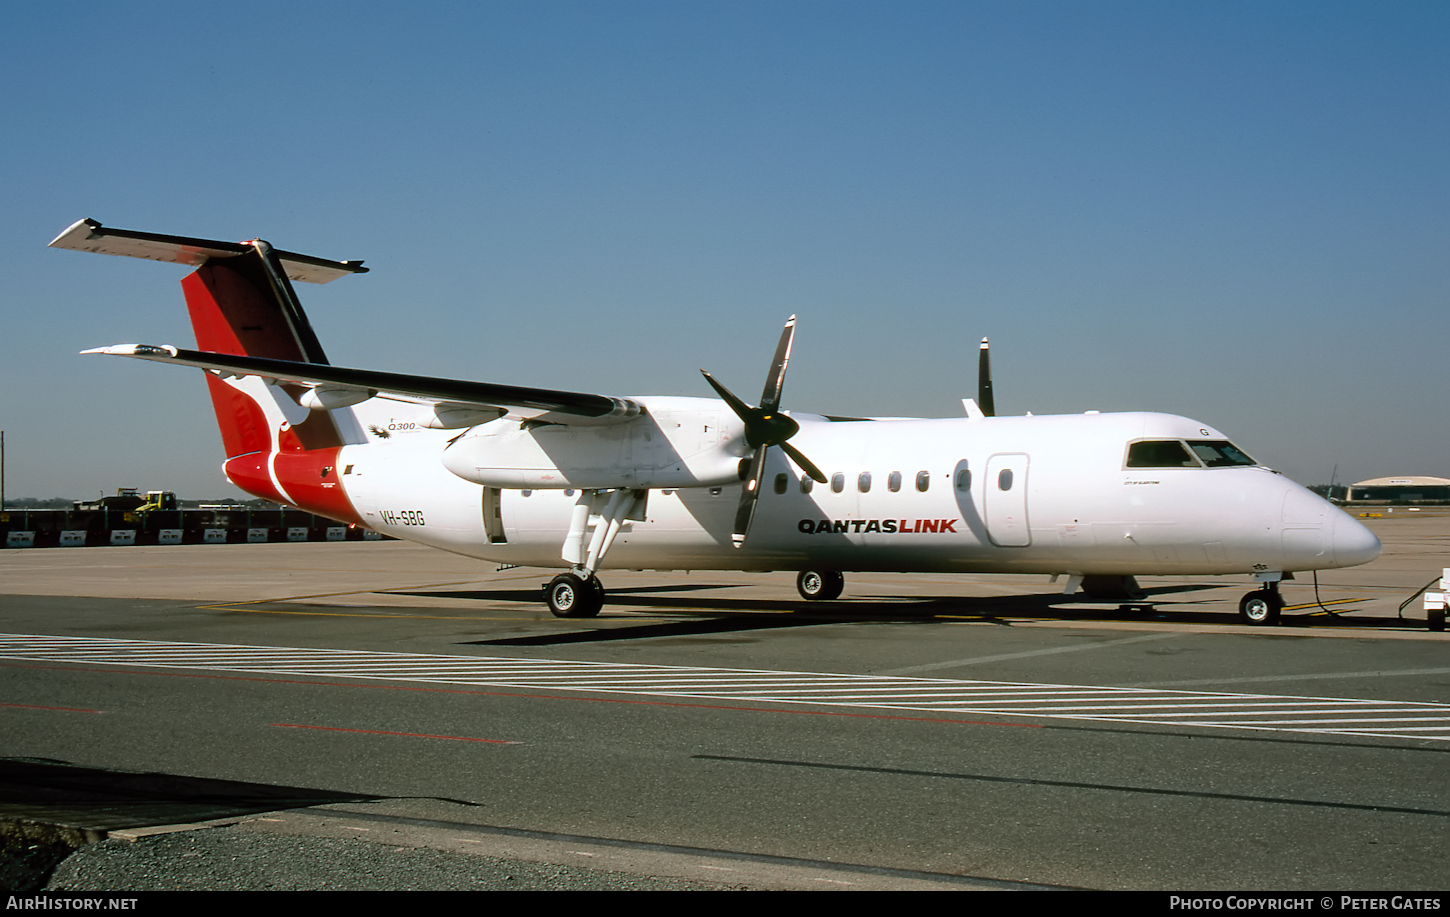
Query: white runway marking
(1028, 654)
(1209, 710)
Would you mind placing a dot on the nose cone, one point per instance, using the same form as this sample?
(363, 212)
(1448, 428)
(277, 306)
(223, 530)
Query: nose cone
(1353, 543)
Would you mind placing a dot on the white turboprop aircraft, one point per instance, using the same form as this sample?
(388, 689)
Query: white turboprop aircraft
(561, 479)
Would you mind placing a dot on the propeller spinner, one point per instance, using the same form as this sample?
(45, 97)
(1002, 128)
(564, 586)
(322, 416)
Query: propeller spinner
(765, 426)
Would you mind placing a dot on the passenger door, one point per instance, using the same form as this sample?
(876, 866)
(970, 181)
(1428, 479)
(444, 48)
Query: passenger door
(1005, 492)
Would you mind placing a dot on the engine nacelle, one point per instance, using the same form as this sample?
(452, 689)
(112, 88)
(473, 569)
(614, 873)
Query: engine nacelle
(676, 442)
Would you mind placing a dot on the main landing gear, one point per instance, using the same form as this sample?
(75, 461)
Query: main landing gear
(598, 517)
(1262, 606)
(819, 585)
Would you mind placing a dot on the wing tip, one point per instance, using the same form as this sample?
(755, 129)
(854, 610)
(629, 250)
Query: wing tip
(135, 350)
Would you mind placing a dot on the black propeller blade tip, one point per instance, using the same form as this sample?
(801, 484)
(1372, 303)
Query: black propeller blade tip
(985, 400)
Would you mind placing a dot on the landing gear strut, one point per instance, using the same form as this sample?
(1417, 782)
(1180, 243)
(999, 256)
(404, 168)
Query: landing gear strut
(819, 585)
(1262, 606)
(598, 517)
(572, 595)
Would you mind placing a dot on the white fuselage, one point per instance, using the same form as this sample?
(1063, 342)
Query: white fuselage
(1047, 494)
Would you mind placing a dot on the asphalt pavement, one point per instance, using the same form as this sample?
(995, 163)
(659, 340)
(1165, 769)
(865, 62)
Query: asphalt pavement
(379, 715)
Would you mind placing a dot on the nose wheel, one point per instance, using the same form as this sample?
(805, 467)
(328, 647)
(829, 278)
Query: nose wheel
(570, 595)
(1262, 606)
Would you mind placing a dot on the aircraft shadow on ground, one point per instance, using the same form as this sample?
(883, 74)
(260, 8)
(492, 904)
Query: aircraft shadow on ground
(903, 606)
(57, 792)
(537, 595)
(720, 615)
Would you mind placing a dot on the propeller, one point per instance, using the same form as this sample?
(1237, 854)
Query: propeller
(984, 381)
(765, 426)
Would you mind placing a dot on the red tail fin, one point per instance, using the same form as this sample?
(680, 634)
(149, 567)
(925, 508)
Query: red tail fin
(245, 306)
(275, 448)
(242, 303)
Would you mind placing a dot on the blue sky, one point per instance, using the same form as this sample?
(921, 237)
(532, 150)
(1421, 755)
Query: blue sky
(1232, 211)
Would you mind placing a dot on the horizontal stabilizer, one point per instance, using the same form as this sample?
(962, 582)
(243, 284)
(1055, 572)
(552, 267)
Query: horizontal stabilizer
(558, 407)
(90, 236)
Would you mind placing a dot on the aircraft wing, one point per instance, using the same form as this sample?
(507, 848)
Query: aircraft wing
(337, 386)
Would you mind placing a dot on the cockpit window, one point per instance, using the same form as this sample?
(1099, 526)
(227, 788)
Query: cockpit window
(1220, 453)
(1160, 453)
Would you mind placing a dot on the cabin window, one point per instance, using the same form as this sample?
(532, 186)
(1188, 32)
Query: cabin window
(923, 481)
(1160, 453)
(1004, 480)
(838, 482)
(964, 479)
(808, 483)
(863, 482)
(1219, 453)
(781, 481)
(893, 481)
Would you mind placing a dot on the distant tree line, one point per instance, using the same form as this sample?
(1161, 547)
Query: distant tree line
(37, 503)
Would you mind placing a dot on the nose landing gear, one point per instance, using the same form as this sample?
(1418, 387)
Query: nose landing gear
(1262, 606)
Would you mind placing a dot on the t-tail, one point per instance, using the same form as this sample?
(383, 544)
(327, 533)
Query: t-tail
(241, 302)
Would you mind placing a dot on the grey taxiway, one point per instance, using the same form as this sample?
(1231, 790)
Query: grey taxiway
(712, 730)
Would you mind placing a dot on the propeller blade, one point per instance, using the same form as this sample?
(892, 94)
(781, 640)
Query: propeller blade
(765, 426)
(749, 494)
(741, 409)
(775, 381)
(805, 464)
(984, 381)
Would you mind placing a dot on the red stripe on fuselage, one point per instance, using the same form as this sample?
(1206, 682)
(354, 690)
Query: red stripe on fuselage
(310, 480)
(313, 480)
(250, 473)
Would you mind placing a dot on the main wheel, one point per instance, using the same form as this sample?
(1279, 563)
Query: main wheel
(819, 585)
(570, 595)
(1260, 607)
(1435, 620)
